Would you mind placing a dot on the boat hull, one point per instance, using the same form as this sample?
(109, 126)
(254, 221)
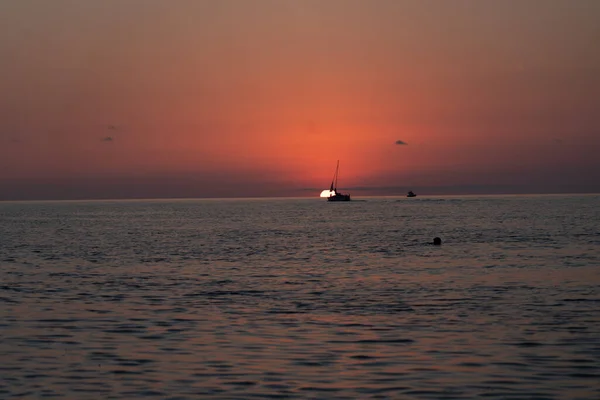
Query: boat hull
(339, 197)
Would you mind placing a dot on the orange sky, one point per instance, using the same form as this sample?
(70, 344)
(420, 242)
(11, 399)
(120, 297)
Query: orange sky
(240, 98)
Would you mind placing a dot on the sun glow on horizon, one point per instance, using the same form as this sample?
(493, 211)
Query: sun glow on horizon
(327, 193)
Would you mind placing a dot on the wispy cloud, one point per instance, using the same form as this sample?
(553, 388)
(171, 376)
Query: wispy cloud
(108, 139)
(401, 142)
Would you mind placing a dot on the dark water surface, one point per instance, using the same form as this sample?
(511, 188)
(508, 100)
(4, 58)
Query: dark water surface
(301, 299)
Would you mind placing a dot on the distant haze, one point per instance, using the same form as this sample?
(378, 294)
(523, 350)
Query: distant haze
(234, 98)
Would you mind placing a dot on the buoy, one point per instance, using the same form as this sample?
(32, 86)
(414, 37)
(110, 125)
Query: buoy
(437, 241)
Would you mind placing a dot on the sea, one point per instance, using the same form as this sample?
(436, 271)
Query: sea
(301, 298)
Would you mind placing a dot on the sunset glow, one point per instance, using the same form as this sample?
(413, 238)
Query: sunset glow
(257, 98)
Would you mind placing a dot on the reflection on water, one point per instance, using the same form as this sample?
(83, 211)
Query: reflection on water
(301, 299)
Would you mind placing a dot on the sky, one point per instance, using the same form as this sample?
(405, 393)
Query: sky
(239, 98)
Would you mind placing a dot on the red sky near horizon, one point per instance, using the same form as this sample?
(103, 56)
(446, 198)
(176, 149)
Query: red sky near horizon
(241, 98)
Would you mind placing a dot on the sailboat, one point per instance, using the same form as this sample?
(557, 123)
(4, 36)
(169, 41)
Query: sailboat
(335, 196)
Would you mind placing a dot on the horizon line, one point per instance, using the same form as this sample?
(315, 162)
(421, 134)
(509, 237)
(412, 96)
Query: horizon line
(91, 199)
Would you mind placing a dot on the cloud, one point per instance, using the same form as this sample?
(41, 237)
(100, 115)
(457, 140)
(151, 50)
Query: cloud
(401, 142)
(108, 139)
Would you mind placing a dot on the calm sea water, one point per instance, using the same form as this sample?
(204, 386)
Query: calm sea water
(284, 298)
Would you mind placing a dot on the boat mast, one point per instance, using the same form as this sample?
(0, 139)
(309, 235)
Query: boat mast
(334, 180)
(337, 170)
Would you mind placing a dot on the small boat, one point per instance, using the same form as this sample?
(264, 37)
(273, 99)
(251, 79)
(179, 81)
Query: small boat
(411, 194)
(335, 196)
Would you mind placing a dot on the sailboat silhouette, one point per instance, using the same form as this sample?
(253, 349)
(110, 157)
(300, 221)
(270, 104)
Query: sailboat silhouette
(335, 196)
